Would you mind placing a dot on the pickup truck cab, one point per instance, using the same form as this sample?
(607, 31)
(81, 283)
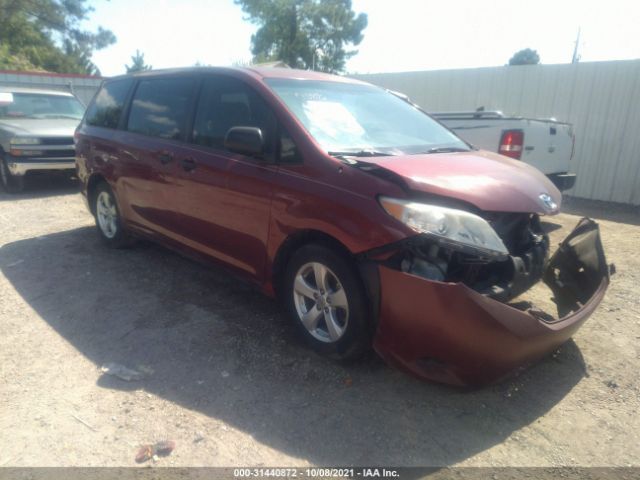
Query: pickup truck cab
(543, 143)
(36, 133)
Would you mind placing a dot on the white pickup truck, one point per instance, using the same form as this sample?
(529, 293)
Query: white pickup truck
(544, 143)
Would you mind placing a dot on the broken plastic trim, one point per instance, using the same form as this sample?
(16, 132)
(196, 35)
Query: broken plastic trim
(448, 332)
(499, 276)
(573, 273)
(576, 270)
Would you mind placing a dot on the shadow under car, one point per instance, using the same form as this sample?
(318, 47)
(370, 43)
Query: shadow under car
(196, 322)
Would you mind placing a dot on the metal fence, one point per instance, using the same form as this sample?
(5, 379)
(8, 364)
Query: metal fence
(82, 86)
(601, 100)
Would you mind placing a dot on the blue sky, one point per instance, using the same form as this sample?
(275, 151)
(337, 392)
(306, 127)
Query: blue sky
(402, 34)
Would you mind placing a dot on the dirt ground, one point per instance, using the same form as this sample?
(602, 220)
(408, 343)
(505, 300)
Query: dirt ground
(226, 379)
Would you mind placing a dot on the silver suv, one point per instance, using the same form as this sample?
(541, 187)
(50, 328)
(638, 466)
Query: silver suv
(36, 132)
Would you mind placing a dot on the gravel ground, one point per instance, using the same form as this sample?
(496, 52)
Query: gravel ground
(226, 379)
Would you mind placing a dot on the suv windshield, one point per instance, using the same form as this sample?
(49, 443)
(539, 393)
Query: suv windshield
(353, 118)
(36, 105)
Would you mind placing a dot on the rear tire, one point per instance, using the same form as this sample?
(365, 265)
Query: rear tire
(108, 219)
(326, 300)
(11, 183)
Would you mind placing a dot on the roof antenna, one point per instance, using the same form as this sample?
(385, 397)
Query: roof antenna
(576, 56)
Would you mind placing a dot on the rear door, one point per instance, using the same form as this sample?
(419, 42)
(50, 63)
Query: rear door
(149, 146)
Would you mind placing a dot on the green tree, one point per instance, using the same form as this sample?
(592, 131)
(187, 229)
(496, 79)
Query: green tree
(47, 35)
(304, 33)
(10, 61)
(137, 63)
(526, 56)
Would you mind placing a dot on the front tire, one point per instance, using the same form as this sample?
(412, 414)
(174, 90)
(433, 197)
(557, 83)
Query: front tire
(108, 219)
(11, 183)
(325, 299)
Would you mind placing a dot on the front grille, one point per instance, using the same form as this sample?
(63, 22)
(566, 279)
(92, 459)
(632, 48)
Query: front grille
(56, 140)
(57, 153)
(48, 154)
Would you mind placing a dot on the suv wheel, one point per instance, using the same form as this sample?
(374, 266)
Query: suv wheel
(11, 183)
(108, 220)
(326, 301)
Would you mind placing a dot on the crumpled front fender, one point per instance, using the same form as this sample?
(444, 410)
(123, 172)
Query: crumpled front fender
(447, 332)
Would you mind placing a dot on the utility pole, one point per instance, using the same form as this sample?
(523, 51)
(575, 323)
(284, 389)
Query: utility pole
(576, 56)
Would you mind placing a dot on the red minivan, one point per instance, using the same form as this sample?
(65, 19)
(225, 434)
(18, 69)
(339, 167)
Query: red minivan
(374, 224)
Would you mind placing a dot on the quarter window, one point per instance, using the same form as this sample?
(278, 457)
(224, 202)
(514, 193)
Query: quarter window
(107, 106)
(160, 107)
(288, 150)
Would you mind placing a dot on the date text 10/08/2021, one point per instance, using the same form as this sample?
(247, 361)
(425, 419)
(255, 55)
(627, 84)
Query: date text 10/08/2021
(315, 472)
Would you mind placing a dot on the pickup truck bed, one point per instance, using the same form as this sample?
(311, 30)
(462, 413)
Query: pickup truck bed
(544, 143)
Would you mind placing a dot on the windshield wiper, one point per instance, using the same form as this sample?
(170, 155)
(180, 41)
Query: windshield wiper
(360, 153)
(445, 150)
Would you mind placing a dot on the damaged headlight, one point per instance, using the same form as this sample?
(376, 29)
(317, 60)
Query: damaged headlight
(447, 224)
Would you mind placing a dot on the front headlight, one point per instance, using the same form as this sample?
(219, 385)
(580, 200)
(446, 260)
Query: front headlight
(448, 224)
(25, 141)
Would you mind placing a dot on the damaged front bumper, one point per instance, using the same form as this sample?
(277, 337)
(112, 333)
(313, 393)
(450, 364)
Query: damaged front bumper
(450, 333)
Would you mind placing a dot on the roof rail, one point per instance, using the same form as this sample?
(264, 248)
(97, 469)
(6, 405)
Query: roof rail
(468, 115)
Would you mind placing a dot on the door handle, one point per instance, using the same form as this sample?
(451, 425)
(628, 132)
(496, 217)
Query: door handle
(165, 157)
(188, 164)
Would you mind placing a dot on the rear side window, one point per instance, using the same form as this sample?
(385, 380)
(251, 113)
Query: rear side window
(107, 106)
(160, 107)
(226, 102)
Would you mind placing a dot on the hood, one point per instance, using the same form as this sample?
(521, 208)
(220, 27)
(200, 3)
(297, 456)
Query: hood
(489, 181)
(40, 127)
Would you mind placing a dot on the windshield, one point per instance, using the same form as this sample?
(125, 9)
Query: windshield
(35, 105)
(346, 117)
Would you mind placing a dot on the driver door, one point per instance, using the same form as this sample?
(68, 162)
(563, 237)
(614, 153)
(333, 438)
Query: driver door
(225, 198)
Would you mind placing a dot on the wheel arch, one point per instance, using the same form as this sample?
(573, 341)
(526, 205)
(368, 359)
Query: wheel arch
(94, 180)
(294, 242)
(367, 272)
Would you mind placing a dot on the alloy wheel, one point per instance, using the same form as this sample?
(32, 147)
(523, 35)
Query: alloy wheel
(107, 215)
(321, 302)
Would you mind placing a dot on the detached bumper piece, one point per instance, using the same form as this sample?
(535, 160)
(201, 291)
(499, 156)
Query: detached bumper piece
(450, 333)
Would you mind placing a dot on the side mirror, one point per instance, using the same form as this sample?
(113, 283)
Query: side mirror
(244, 140)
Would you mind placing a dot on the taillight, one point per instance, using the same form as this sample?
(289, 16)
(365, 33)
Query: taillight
(511, 143)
